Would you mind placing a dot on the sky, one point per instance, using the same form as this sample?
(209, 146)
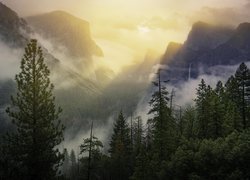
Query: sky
(127, 29)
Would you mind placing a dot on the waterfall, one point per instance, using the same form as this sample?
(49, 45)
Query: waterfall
(189, 72)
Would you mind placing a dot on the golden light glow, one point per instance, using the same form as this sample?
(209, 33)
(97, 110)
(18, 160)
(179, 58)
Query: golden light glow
(126, 29)
(143, 29)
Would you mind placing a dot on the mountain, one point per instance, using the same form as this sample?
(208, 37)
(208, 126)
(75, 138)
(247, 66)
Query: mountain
(12, 27)
(171, 51)
(208, 46)
(68, 31)
(71, 86)
(204, 36)
(235, 50)
(82, 97)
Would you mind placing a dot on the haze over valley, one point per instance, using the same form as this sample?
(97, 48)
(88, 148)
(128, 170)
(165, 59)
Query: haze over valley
(104, 56)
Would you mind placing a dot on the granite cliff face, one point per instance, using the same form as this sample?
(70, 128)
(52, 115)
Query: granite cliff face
(208, 46)
(12, 28)
(68, 31)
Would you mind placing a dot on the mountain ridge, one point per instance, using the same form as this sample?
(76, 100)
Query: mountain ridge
(11, 26)
(207, 46)
(66, 30)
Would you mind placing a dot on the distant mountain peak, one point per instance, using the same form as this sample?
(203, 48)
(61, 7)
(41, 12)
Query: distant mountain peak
(64, 16)
(207, 46)
(241, 37)
(201, 25)
(205, 36)
(68, 31)
(172, 50)
(243, 28)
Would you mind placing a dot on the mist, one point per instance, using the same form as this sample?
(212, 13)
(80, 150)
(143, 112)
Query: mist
(10, 60)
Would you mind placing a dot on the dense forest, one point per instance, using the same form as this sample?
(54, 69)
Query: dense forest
(209, 140)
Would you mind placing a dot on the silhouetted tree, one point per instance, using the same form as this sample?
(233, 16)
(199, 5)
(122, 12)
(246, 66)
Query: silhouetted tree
(120, 149)
(33, 111)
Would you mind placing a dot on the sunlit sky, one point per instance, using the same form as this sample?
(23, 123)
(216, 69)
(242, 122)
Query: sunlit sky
(126, 29)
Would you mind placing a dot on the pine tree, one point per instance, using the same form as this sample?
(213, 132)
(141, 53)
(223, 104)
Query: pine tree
(215, 108)
(162, 123)
(120, 149)
(73, 165)
(210, 110)
(242, 77)
(202, 117)
(66, 164)
(233, 116)
(92, 146)
(238, 92)
(137, 135)
(189, 118)
(33, 112)
(141, 169)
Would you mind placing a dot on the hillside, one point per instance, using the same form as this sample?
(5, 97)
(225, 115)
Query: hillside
(207, 46)
(68, 31)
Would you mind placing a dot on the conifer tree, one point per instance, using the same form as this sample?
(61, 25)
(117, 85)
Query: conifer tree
(189, 118)
(202, 117)
(92, 146)
(137, 135)
(238, 92)
(73, 165)
(215, 108)
(33, 112)
(242, 77)
(162, 123)
(66, 164)
(233, 118)
(120, 149)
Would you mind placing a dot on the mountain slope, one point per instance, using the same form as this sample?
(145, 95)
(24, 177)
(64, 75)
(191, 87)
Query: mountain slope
(11, 27)
(67, 31)
(208, 46)
(82, 98)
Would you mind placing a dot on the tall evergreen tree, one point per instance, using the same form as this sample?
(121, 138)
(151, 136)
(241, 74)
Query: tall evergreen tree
(233, 115)
(189, 118)
(92, 146)
(210, 110)
(162, 123)
(137, 135)
(66, 164)
(120, 149)
(73, 165)
(33, 111)
(242, 77)
(202, 116)
(215, 108)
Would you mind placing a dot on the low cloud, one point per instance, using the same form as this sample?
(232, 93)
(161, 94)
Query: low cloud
(10, 60)
(100, 130)
(222, 16)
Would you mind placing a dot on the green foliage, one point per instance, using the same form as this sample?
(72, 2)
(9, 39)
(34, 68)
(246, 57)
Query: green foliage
(189, 119)
(223, 158)
(95, 145)
(162, 123)
(120, 149)
(210, 110)
(91, 163)
(238, 93)
(211, 140)
(38, 131)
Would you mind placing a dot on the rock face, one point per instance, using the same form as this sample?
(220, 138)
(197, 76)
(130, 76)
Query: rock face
(208, 46)
(12, 27)
(68, 31)
(15, 32)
